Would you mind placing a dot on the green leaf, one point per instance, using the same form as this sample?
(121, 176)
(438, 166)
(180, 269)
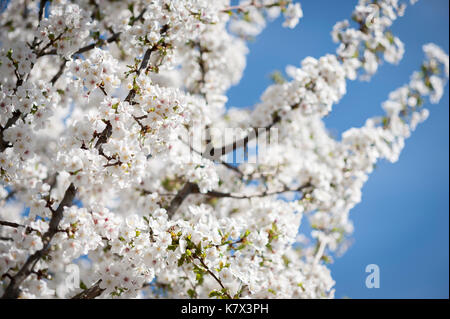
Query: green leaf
(191, 293)
(277, 77)
(83, 285)
(215, 293)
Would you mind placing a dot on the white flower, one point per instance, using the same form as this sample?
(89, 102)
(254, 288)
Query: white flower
(293, 14)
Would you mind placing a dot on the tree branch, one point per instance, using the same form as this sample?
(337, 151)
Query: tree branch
(28, 229)
(188, 189)
(214, 153)
(13, 289)
(143, 66)
(91, 293)
(257, 195)
(192, 188)
(60, 72)
(113, 38)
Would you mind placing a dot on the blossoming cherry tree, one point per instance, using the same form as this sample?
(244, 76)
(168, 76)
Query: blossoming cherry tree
(99, 103)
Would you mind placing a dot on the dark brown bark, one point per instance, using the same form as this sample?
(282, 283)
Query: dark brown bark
(13, 289)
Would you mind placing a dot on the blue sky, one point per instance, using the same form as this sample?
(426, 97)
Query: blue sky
(402, 224)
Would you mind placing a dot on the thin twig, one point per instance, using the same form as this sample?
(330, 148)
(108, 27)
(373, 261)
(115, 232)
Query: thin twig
(214, 276)
(28, 229)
